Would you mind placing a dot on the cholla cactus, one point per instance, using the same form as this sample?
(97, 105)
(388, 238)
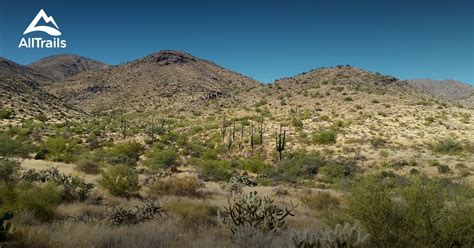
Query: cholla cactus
(249, 210)
(345, 236)
(6, 228)
(125, 216)
(237, 183)
(74, 188)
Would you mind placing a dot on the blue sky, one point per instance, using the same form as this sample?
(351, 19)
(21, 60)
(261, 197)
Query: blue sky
(263, 39)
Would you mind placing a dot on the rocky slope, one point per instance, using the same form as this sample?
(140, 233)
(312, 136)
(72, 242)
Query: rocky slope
(167, 79)
(20, 93)
(61, 66)
(449, 90)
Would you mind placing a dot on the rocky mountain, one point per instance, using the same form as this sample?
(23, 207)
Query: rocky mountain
(21, 93)
(166, 79)
(449, 90)
(58, 67)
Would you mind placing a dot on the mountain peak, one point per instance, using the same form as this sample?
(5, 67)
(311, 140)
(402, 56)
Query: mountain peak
(166, 57)
(66, 65)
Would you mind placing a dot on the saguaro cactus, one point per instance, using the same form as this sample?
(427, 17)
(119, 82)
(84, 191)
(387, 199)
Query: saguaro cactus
(223, 128)
(252, 134)
(124, 125)
(261, 129)
(280, 140)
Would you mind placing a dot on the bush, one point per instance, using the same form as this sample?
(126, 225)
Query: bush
(88, 166)
(418, 216)
(341, 236)
(298, 165)
(126, 153)
(162, 159)
(9, 170)
(325, 137)
(12, 148)
(447, 146)
(339, 169)
(195, 214)
(39, 200)
(255, 164)
(218, 170)
(120, 180)
(5, 114)
(320, 201)
(444, 169)
(185, 186)
(60, 149)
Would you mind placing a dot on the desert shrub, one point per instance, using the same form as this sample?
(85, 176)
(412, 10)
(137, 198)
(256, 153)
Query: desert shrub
(71, 187)
(255, 164)
(5, 114)
(250, 210)
(419, 217)
(339, 168)
(60, 149)
(444, 169)
(447, 146)
(185, 186)
(217, 170)
(325, 136)
(41, 200)
(9, 170)
(377, 142)
(194, 214)
(120, 215)
(298, 165)
(297, 123)
(320, 200)
(162, 159)
(120, 180)
(12, 148)
(126, 153)
(346, 235)
(89, 164)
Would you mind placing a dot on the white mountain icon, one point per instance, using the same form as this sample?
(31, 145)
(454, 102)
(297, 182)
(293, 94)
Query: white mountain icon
(47, 19)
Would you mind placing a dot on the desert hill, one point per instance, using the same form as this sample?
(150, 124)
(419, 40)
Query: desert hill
(449, 90)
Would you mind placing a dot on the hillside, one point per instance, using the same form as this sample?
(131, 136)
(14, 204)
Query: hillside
(21, 94)
(449, 90)
(58, 67)
(167, 79)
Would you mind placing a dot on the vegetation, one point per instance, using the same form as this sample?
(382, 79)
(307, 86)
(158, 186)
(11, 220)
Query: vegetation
(120, 180)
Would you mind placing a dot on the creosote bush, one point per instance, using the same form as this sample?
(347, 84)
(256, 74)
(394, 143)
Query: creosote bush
(120, 180)
(423, 213)
(162, 159)
(325, 136)
(320, 201)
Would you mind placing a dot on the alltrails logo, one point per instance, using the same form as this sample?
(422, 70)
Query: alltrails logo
(39, 42)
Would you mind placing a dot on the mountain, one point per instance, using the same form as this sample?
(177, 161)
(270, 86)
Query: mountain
(58, 67)
(449, 90)
(21, 93)
(166, 79)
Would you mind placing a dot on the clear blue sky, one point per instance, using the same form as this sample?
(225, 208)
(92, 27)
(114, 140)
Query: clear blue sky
(261, 38)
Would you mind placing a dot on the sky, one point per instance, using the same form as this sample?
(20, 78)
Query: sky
(263, 39)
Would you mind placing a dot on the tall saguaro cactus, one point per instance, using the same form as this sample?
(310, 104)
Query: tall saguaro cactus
(223, 129)
(124, 125)
(252, 134)
(280, 141)
(261, 129)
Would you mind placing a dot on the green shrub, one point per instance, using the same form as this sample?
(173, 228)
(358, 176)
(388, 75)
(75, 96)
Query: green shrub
(218, 170)
(39, 200)
(120, 180)
(447, 146)
(162, 159)
(5, 114)
(339, 169)
(255, 164)
(298, 165)
(416, 215)
(444, 169)
(88, 165)
(325, 137)
(9, 170)
(185, 186)
(60, 149)
(12, 147)
(126, 153)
